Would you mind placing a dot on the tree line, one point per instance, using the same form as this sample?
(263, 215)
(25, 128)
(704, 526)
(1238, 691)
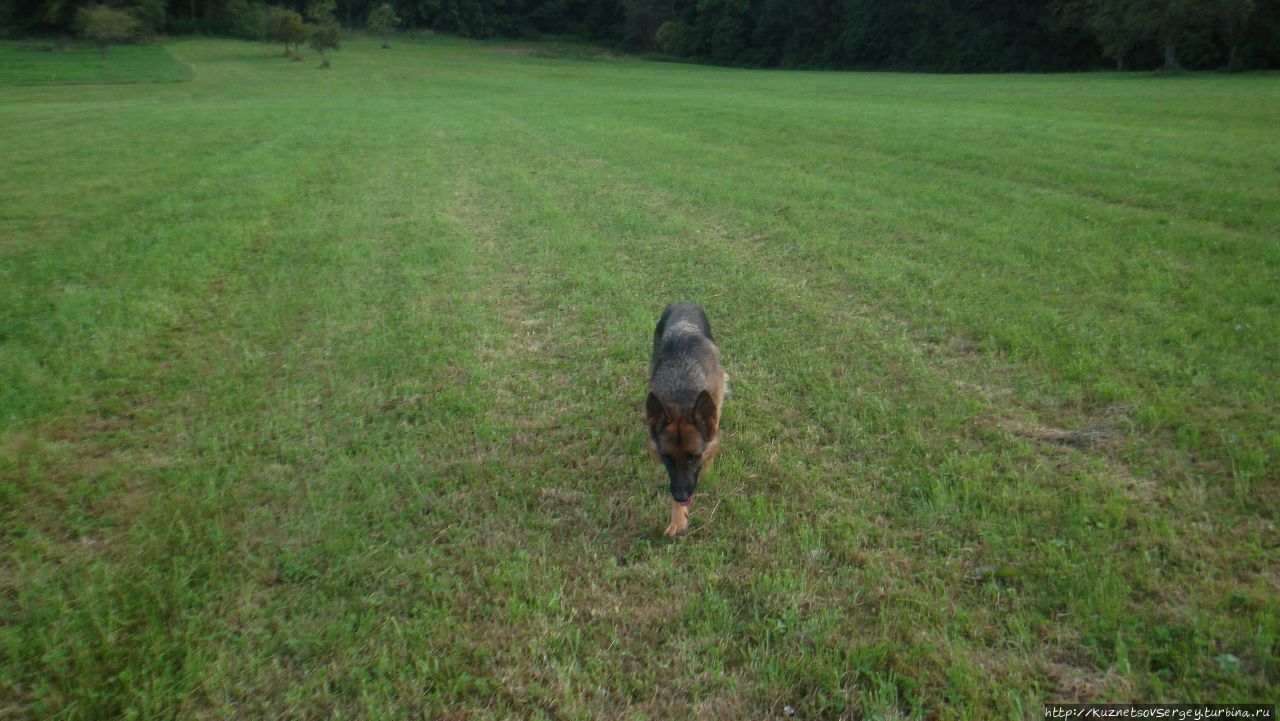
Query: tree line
(932, 35)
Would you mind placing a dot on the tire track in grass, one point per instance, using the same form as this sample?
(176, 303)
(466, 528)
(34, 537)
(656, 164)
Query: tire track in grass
(563, 441)
(371, 471)
(849, 141)
(112, 552)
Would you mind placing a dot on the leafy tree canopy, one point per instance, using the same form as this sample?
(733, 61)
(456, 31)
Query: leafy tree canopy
(383, 20)
(322, 37)
(106, 26)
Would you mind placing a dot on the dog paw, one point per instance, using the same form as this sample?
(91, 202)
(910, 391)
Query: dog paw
(675, 529)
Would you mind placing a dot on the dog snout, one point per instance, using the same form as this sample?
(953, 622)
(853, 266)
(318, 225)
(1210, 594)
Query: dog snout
(682, 488)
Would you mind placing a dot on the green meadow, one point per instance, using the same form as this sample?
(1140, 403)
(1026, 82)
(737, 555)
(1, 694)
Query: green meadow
(321, 391)
(48, 64)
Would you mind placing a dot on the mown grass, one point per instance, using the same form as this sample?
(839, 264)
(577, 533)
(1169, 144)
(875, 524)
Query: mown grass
(35, 63)
(320, 391)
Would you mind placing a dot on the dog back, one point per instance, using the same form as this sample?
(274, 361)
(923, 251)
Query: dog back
(685, 358)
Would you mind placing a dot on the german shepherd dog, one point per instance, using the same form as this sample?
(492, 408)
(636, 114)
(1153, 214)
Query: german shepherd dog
(686, 391)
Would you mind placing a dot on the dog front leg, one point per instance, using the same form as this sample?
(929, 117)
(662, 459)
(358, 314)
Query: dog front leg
(679, 520)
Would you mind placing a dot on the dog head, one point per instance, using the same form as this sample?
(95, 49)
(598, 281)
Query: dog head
(683, 439)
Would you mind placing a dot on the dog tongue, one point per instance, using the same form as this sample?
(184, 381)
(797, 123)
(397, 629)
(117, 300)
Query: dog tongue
(685, 503)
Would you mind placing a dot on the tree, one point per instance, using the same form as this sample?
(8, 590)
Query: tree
(321, 11)
(674, 38)
(240, 18)
(1233, 20)
(723, 29)
(284, 26)
(103, 26)
(1168, 21)
(1116, 24)
(322, 37)
(383, 21)
(150, 13)
(642, 20)
(1120, 25)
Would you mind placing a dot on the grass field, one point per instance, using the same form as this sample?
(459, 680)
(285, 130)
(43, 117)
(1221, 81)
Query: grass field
(320, 391)
(23, 64)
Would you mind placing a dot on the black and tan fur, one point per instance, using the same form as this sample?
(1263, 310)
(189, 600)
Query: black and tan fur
(686, 390)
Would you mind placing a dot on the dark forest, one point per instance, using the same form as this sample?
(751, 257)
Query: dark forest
(924, 35)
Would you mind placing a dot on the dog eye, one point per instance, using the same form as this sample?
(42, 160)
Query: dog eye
(692, 459)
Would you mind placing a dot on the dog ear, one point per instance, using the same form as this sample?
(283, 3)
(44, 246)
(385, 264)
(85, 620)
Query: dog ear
(656, 411)
(704, 414)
